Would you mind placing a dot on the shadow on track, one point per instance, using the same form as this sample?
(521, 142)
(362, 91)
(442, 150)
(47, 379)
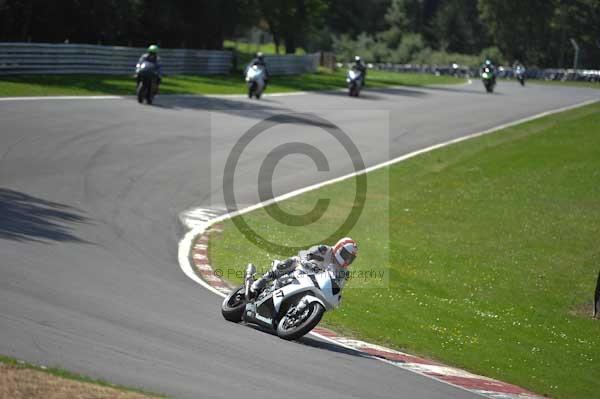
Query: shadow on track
(260, 109)
(255, 110)
(268, 106)
(375, 93)
(315, 343)
(473, 90)
(27, 218)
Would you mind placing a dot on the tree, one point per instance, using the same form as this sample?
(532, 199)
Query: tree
(520, 29)
(175, 23)
(538, 31)
(456, 27)
(353, 17)
(291, 20)
(578, 20)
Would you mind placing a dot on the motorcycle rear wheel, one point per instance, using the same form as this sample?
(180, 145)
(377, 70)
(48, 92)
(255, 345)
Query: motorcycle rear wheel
(234, 305)
(310, 321)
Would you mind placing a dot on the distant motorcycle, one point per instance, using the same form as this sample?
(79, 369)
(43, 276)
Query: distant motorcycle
(520, 75)
(487, 76)
(255, 78)
(147, 81)
(354, 80)
(292, 308)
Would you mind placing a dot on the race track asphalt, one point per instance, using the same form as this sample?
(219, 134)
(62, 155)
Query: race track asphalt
(90, 193)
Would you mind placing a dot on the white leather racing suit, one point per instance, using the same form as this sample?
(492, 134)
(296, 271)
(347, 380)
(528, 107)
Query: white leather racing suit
(315, 259)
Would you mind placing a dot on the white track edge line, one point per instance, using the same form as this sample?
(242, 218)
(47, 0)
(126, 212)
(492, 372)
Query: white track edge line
(183, 255)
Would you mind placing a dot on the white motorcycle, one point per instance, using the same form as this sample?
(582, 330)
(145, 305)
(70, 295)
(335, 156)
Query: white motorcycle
(255, 78)
(291, 305)
(520, 75)
(354, 80)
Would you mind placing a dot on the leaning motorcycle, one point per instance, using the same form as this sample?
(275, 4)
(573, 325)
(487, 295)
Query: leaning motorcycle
(354, 80)
(147, 81)
(255, 78)
(487, 76)
(291, 307)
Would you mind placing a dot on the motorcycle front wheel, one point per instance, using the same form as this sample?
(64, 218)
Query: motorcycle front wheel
(140, 92)
(234, 305)
(290, 328)
(149, 92)
(489, 87)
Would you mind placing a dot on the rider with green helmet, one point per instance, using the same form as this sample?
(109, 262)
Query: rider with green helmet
(151, 55)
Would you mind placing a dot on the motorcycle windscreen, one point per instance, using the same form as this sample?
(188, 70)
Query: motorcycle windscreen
(254, 72)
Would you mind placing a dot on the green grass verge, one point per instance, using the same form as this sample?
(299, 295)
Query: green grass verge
(58, 372)
(492, 254)
(49, 85)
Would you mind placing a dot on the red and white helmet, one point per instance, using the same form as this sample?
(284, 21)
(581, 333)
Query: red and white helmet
(344, 251)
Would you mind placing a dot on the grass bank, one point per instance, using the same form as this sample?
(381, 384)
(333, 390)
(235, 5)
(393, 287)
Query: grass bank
(26, 381)
(54, 85)
(492, 254)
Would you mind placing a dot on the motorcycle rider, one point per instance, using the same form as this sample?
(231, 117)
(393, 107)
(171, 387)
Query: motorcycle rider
(360, 66)
(152, 56)
(518, 68)
(259, 60)
(317, 258)
(490, 65)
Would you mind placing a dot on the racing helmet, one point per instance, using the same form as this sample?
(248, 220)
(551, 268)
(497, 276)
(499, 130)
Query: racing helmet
(356, 58)
(345, 251)
(260, 55)
(153, 49)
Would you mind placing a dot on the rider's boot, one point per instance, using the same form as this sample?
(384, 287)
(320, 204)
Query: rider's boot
(261, 283)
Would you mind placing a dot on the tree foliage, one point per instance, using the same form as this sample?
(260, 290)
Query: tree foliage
(536, 32)
(291, 21)
(539, 31)
(175, 23)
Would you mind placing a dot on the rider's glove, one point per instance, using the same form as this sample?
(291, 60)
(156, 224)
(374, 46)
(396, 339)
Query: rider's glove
(311, 266)
(283, 265)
